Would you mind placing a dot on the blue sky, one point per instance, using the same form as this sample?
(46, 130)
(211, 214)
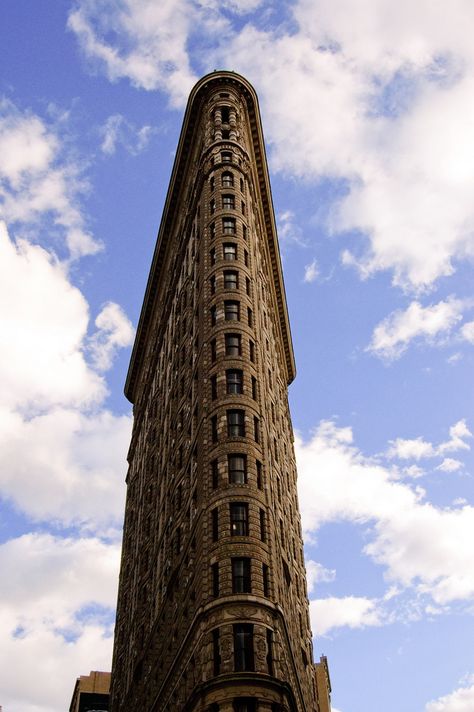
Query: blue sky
(368, 114)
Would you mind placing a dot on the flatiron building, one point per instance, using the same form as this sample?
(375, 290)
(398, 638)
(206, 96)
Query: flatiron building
(212, 608)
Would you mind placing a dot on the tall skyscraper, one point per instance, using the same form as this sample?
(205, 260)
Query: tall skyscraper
(212, 608)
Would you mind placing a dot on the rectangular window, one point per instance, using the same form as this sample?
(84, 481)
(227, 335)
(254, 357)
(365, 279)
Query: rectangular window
(213, 312)
(252, 350)
(213, 387)
(215, 524)
(215, 474)
(212, 206)
(212, 231)
(212, 255)
(245, 704)
(239, 519)
(241, 185)
(266, 587)
(227, 180)
(244, 232)
(254, 388)
(228, 226)
(243, 647)
(215, 580)
(215, 651)
(259, 474)
(246, 258)
(235, 423)
(270, 651)
(213, 350)
(233, 345)
(243, 207)
(237, 468)
(241, 582)
(262, 525)
(247, 286)
(231, 280)
(256, 429)
(212, 184)
(232, 311)
(234, 382)
(214, 428)
(230, 251)
(249, 317)
(228, 202)
(226, 157)
(225, 114)
(212, 282)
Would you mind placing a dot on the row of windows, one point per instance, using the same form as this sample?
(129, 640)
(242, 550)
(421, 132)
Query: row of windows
(241, 577)
(235, 426)
(239, 521)
(234, 384)
(244, 659)
(236, 470)
(229, 253)
(227, 181)
(231, 281)
(231, 312)
(233, 347)
(227, 203)
(246, 704)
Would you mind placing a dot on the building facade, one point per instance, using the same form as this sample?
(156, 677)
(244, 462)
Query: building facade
(91, 693)
(212, 608)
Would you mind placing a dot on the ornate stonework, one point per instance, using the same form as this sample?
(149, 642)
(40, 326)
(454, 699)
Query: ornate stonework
(212, 610)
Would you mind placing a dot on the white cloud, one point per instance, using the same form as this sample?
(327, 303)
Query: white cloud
(38, 182)
(393, 335)
(449, 465)
(114, 331)
(311, 272)
(350, 611)
(421, 546)
(418, 449)
(149, 46)
(56, 613)
(460, 700)
(415, 449)
(316, 573)
(289, 232)
(467, 331)
(118, 131)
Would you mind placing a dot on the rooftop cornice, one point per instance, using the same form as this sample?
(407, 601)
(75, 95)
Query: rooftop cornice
(178, 176)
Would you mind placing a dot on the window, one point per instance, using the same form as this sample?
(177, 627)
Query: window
(234, 382)
(213, 387)
(244, 704)
(241, 185)
(213, 313)
(266, 587)
(214, 428)
(237, 468)
(244, 232)
(212, 206)
(243, 650)
(256, 429)
(239, 519)
(215, 474)
(259, 474)
(232, 311)
(233, 345)
(225, 114)
(231, 280)
(212, 184)
(249, 317)
(228, 202)
(212, 255)
(235, 423)
(230, 251)
(251, 350)
(212, 230)
(242, 206)
(262, 525)
(215, 580)
(212, 282)
(227, 180)
(254, 388)
(228, 226)
(215, 651)
(241, 576)
(215, 524)
(246, 258)
(226, 157)
(213, 350)
(225, 133)
(286, 573)
(269, 651)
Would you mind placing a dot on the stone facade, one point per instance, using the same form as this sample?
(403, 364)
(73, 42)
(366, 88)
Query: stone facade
(212, 608)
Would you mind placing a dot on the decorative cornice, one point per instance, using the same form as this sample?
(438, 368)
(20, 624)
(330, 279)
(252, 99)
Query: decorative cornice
(170, 213)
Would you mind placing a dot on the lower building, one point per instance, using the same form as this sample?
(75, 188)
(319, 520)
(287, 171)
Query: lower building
(91, 693)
